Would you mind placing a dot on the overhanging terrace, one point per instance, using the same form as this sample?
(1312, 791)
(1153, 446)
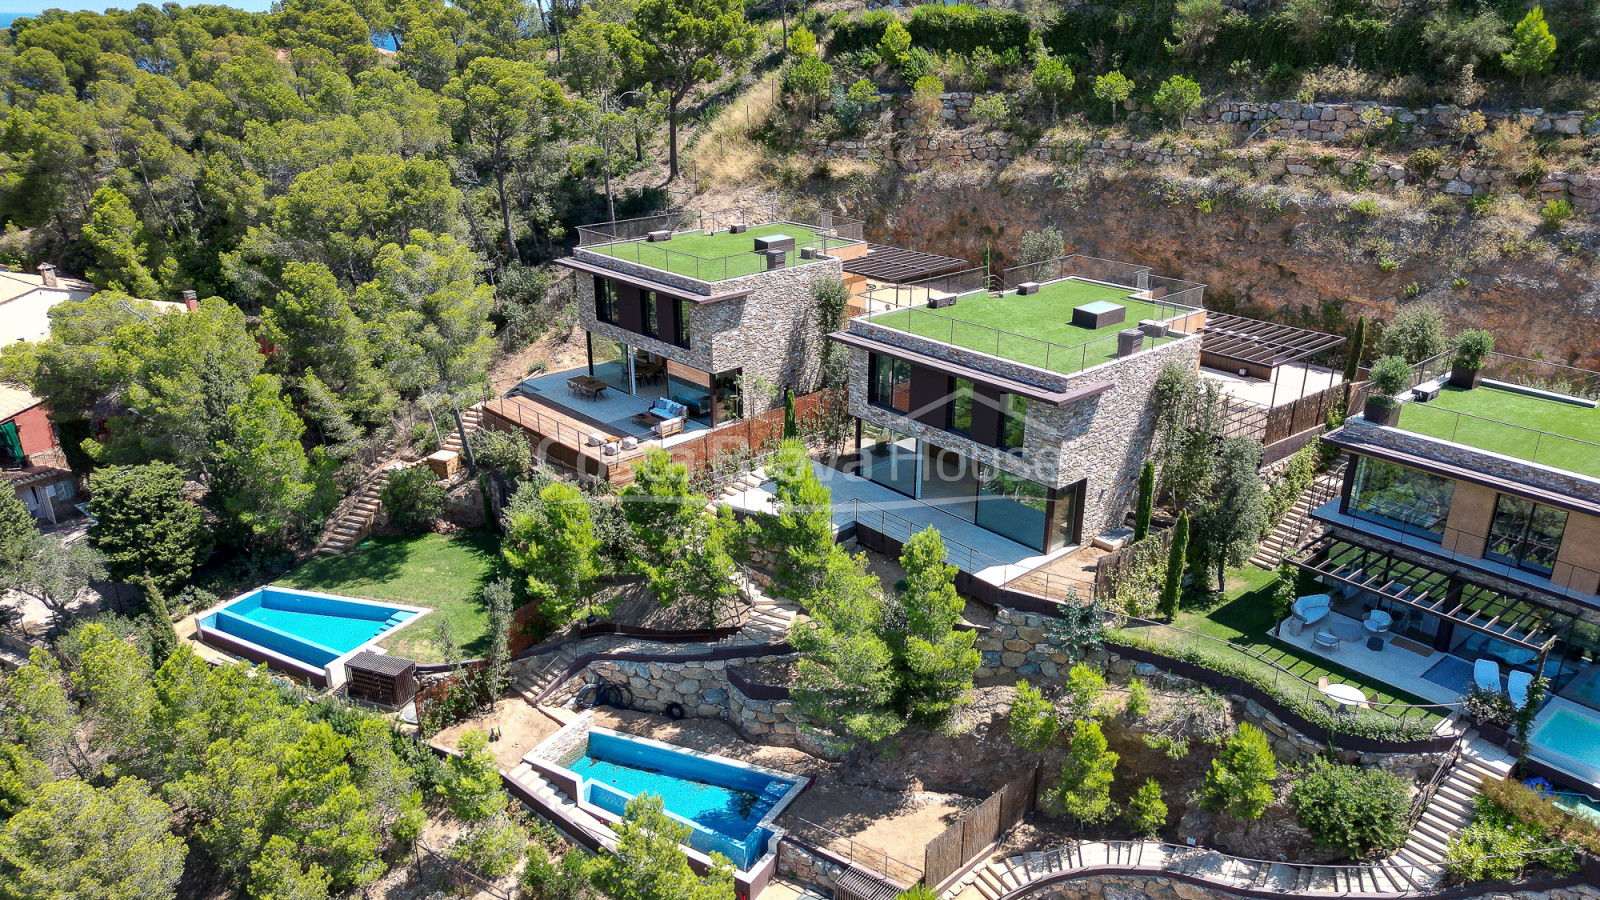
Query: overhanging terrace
(1522, 623)
(1251, 342)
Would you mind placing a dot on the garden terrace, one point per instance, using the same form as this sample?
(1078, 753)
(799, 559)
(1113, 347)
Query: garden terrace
(1033, 329)
(1557, 426)
(706, 248)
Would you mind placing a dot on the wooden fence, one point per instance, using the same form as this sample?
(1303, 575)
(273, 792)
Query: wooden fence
(978, 831)
(752, 435)
(1110, 569)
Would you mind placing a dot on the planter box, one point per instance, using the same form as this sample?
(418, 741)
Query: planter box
(1379, 413)
(1461, 377)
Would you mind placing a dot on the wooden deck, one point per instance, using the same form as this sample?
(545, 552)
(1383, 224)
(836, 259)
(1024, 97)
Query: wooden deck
(559, 436)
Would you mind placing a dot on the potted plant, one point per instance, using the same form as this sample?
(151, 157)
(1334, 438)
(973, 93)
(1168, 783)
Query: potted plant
(1390, 377)
(1473, 347)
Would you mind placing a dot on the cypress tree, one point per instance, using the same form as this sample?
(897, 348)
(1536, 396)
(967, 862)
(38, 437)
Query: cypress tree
(1352, 363)
(163, 635)
(1176, 555)
(1147, 502)
(791, 428)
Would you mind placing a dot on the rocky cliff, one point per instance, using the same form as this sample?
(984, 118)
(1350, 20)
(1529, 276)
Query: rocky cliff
(1284, 248)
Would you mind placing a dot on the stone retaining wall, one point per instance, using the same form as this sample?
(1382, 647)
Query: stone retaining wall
(795, 864)
(1317, 121)
(703, 690)
(1147, 887)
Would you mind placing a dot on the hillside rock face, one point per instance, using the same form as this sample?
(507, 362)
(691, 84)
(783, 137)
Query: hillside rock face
(1268, 253)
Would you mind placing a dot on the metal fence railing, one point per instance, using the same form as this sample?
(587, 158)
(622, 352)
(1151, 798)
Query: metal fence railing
(1089, 268)
(1544, 376)
(635, 229)
(712, 269)
(1520, 441)
(1269, 675)
(859, 855)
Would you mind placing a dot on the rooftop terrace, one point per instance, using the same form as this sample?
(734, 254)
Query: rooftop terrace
(1557, 432)
(1035, 329)
(704, 247)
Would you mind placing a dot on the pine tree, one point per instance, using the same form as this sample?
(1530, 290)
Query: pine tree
(163, 635)
(935, 663)
(1533, 47)
(1177, 555)
(1240, 780)
(1147, 501)
(1147, 812)
(1084, 789)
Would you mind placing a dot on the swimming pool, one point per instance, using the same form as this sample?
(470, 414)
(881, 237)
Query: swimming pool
(729, 806)
(1567, 736)
(301, 632)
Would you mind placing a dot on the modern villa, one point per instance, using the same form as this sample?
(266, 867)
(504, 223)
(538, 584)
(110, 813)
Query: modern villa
(1465, 548)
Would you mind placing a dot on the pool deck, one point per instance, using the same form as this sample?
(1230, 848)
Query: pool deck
(1584, 771)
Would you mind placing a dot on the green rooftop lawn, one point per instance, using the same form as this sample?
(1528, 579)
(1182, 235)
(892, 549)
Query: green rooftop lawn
(1510, 423)
(1036, 330)
(445, 573)
(708, 257)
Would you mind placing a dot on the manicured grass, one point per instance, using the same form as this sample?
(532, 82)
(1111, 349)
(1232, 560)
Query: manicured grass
(444, 573)
(1510, 423)
(1242, 615)
(709, 257)
(1035, 330)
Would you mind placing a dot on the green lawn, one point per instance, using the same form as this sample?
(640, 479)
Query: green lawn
(444, 573)
(1242, 615)
(1571, 441)
(708, 257)
(1035, 330)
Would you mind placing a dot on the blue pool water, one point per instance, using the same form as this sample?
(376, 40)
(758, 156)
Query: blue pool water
(1570, 740)
(312, 628)
(723, 803)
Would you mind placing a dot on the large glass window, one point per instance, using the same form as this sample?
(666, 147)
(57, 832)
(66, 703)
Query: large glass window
(652, 306)
(889, 383)
(1011, 505)
(1013, 422)
(605, 301)
(692, 388)
(1526, 534)
(729, 395)
(1412, 501)
(961, 406)
(889, 458)
(608, 361)
(680, 308)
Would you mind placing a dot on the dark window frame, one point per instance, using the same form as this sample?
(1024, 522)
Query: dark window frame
(958, 394)
(1519, 541)
(1013, 413)
(650, 314)
(898, 387)
(605, 301)
(680, 314)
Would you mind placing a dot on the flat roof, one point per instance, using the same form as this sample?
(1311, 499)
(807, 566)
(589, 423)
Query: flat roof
(1033, 329)
(717, 255)
(1525, 424)
(999, 382)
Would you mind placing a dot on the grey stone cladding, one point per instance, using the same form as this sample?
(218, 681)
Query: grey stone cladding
(772, 334)
(1104, 439)
(1474, 459)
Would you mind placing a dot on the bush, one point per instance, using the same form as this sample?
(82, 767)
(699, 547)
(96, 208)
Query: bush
(1425, 162)
(927, 95)
(1416, 333)
(1366, 207)
(1240, 780)
(1038, 246)
(491, 848)
(991, 112)
(1473, 347)
(1033, 720)
(858, 34)
(1177, 97)
(412, 498)
(1390, 376)
(1492, 707)
(1138, 705)
(963, 29)
(896, 41)
(1147, 812)
(1352, 809)
(1555, 212)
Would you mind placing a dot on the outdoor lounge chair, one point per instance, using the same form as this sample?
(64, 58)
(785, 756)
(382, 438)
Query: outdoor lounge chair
(1486, 675)
(1312, 608)
(1517, 687)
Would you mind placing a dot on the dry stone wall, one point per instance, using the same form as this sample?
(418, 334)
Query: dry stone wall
(1328, 122)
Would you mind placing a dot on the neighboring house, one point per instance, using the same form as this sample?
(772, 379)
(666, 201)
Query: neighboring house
(31, 460)
(26, 300)
(1472, 524)
(1026, 410)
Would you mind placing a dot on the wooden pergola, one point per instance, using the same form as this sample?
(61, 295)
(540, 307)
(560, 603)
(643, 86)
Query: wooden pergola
(1253, 344)
(897, 265)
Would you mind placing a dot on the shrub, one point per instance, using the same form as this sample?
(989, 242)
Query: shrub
(963, 29)
(1416, 333)
(928, 96)
(1390, 376)
(544, 878)
(412, 498)
(1515, 801)
(1138, 705)
(1083, 790)
(1425, 162)
(1483, 705)
(858, 34)
(896, 41)
(1240, 780)
(1352, 809)
(863, 91)
(1460, 283)
(991, 112)
(1146, 810)
(1554, 213)
(491, 848)
(1473, 347)
(1177, 97)
(1366, 207)
(1033, 719)
(1083, 692)
(1038, 246)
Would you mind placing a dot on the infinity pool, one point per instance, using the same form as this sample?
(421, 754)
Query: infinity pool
(282, 627)
(1567, 736)
(728, 805)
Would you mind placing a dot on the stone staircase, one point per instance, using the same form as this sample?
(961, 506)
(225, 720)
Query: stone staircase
(1295, 527)
(353, 520)
(558, 802)
(1417, 868)
(543, 672)
(769, 618)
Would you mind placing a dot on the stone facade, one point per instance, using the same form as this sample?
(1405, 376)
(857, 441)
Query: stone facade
(703, 690)
(772, 335)
(1152, 887)
(1104, 439)
(797, 865)
(1326, 122)
(565, 746)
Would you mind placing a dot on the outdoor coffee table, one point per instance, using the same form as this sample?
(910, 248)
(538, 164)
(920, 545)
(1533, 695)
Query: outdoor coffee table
(1346, 694)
